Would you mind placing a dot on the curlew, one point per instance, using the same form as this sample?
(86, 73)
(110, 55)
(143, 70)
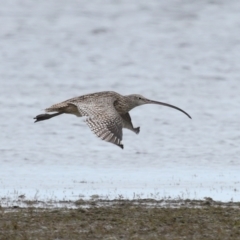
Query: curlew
(107, 112)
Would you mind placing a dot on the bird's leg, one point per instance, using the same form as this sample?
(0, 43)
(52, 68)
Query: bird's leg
(127, 123)
(45, 116)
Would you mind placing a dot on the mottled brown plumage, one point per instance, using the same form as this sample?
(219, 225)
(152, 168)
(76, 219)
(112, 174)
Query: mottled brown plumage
(107, 112)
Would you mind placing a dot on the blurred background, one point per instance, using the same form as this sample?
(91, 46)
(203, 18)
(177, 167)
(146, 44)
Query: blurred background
(185, 53)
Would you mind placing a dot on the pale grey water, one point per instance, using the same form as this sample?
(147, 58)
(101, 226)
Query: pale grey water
(181, 52)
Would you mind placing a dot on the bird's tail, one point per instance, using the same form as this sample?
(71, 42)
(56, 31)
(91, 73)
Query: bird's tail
(45, 116)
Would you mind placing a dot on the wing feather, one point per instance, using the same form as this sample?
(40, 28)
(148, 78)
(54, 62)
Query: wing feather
(104, 120)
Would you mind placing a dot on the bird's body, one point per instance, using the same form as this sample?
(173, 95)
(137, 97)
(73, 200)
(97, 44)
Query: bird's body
(107, 112)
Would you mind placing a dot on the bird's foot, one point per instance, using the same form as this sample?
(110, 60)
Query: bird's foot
(137, 130)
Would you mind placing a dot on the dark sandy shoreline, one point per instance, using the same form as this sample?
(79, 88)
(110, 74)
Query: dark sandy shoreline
(122, 219)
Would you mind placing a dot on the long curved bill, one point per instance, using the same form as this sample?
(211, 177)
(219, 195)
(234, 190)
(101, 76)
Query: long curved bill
(169, 105)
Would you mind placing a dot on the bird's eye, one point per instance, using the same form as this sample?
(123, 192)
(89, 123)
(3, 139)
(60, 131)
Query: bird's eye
(139, 98)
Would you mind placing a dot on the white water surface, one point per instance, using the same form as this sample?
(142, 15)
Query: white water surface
(185, 53)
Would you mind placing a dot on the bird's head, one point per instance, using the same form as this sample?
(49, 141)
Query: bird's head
(135, 100)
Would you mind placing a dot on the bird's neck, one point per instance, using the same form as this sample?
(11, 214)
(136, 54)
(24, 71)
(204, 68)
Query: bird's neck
(123, 105)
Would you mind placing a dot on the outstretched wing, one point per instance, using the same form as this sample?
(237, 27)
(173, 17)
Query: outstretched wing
(103, 120)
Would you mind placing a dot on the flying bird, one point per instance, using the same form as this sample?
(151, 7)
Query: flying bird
(107, 112)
